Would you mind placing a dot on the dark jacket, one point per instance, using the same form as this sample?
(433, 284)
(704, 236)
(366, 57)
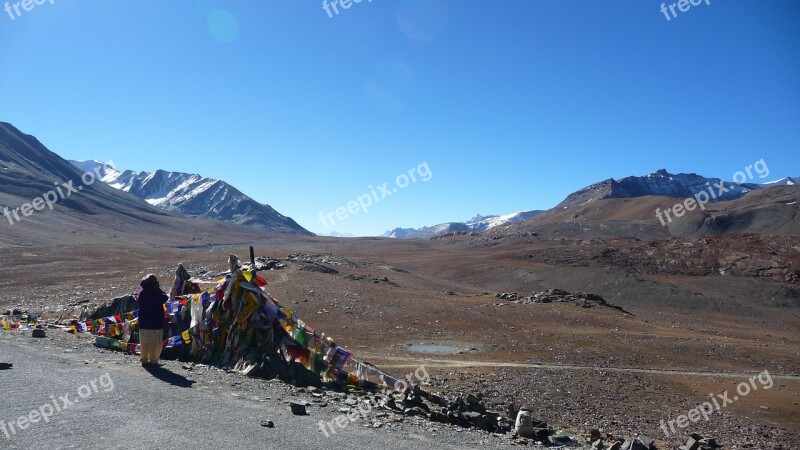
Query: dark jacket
(151, 309)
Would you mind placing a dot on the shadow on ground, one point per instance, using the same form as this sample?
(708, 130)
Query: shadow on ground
(169, 376)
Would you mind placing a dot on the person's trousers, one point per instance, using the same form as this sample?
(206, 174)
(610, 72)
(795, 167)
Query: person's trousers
(150, 344)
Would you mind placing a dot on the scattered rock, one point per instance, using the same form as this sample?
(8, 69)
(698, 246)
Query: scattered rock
(317, 267)
(646, 441)
(355, 277)
(582, 299)
(559, 440)
(263, 263)
(385, 280)
(524, 425)
(119, 305)
(697, 442)
(298, 408)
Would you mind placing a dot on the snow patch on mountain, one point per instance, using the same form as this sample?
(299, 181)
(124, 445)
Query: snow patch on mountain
(193, 195)
(478, 223)
(788, 181)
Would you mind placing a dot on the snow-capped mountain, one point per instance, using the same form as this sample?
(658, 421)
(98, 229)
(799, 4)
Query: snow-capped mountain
(194, 196)
(429, 232)
(483, 223)
(682, 185)
(399, 233)
(477, 223)
(338, 234)
(788, 181)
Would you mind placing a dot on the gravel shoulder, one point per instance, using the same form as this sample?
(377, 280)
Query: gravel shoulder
(199, 408)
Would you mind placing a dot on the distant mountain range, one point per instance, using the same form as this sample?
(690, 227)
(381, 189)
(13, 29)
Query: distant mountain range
(661, 184)
(129, 205)
(478, 223)
(195, 196)
(337, 234)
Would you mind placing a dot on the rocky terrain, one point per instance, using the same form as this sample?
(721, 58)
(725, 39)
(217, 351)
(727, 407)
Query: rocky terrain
(407, 304)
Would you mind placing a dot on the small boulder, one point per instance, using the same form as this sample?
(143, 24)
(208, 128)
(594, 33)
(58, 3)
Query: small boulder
(524, 425)
(298, 408)
(646, 441)
(559, 440)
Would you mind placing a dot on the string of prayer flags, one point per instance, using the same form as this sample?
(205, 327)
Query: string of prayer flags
(239, 323)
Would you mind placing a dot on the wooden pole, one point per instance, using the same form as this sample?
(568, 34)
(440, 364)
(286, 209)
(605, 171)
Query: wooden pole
(253, 264)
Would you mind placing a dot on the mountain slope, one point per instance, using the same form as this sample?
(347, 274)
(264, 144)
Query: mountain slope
(788, 181)
(195, 196)
(89, 213)
(774, 210)
(660, 183)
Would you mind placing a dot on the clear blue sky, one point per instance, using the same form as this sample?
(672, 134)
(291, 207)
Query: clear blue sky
(513, 104)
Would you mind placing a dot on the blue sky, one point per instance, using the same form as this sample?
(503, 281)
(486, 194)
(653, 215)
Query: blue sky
(513, 105)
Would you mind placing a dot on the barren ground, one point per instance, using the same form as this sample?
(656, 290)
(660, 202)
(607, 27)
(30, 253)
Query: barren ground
(690, 335)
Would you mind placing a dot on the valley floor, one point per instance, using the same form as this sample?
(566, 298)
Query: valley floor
(407, 304)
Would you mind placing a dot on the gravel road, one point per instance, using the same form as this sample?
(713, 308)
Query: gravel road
(107, 400)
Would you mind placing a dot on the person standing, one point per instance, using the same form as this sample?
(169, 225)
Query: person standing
(151, 320)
